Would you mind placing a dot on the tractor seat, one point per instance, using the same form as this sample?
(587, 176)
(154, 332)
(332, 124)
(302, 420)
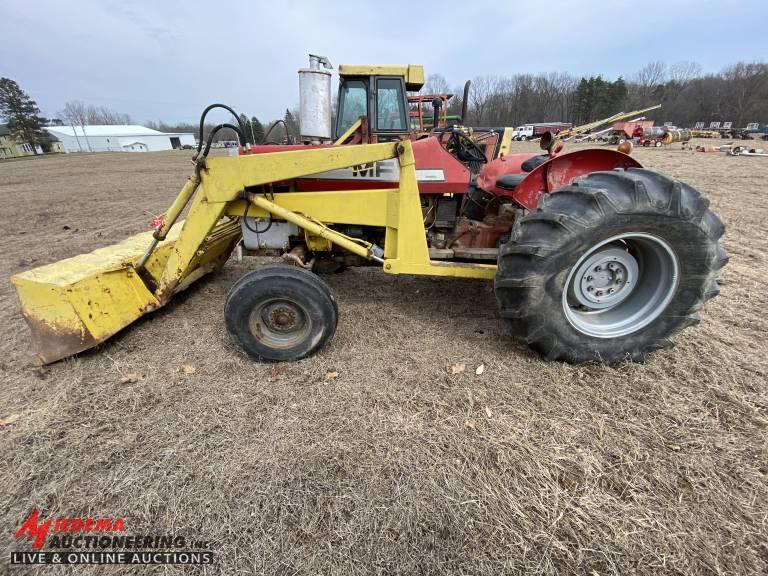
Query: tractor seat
(510, 181)
(534, 162)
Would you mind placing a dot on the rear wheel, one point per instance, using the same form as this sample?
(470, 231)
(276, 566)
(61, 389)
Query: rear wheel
(610, 268)
(280, 313)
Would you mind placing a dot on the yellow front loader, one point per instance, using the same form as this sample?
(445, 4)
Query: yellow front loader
(592, 257)
(77, 303)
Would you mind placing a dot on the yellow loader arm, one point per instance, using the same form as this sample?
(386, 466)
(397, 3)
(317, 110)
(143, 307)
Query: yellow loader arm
(75, 304)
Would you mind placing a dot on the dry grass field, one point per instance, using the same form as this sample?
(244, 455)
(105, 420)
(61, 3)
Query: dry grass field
(395, 465)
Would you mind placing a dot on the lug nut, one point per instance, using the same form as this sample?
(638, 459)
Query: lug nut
(598, 268)
(589, 278)
(589, 289)
(599, 293)
(611, 291)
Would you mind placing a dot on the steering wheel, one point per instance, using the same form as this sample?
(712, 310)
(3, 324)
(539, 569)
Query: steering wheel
(465, 148)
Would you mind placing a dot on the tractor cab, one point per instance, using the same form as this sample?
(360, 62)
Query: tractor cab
(377, 96)
(380, 104)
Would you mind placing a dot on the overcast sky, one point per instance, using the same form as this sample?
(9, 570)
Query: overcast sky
(167, 59)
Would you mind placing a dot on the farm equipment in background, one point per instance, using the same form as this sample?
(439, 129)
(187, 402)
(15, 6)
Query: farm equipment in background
(653, 137)
(623, 131)
(593, 258)
(727, 130)
(658, 136)
(436, 105)
(677, 135)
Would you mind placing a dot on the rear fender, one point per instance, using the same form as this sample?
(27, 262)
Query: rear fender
(555, 173)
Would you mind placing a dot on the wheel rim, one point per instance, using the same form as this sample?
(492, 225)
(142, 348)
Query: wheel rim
(280, 323)
(620, 285)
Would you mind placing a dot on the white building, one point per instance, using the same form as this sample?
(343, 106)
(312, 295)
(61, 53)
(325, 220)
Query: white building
(118, 138)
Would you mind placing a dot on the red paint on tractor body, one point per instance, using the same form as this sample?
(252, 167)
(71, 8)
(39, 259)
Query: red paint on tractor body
(555, 173)
(451, 176)
(437, 170)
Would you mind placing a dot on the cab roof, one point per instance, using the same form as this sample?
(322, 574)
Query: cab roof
(412, 73)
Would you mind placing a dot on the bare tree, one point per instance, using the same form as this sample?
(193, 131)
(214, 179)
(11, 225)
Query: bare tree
(76, 114)
(101, 115)
(645, 83)
(652, 74)
(436, 84)
(480, 94)
(683, 72)
(747, 90)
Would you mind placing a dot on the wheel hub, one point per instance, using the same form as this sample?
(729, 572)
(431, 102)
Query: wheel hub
(620, 285)
(282, 317)
(280, 322)
(606, 278)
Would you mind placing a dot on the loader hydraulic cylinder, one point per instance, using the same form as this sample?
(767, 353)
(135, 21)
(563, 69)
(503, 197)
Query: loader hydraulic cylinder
(316, 228)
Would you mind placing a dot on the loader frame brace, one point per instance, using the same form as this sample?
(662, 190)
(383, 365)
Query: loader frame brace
(222, 192)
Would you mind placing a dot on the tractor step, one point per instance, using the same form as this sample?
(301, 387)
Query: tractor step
(477, 253)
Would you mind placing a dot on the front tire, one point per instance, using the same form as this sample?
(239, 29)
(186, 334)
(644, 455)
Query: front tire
(610, 268)
(280, 313)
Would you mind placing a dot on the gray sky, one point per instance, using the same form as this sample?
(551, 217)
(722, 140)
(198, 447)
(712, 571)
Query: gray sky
(167, 59)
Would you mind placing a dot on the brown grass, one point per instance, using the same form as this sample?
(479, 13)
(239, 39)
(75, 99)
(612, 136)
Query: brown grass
(395, 466)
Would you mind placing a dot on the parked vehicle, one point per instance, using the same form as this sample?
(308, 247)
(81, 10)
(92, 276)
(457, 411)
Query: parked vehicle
(533, 131)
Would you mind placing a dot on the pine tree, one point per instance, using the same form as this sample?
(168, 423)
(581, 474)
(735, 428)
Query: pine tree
(292, 126)
(247, 127)
(22, 115)
(258, 130)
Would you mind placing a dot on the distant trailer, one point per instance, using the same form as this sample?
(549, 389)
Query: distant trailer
(533, 131)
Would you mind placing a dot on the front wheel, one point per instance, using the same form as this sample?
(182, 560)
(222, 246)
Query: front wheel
(610, 268)
(280, 312)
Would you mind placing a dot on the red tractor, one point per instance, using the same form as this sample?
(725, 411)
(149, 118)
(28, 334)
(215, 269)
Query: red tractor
(598, 259)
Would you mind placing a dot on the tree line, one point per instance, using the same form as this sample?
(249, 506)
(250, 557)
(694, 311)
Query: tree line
(76, 113)
(738, 93)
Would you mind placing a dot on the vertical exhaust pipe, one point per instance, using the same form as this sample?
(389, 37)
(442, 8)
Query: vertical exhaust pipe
(465, 101)
(437, 105)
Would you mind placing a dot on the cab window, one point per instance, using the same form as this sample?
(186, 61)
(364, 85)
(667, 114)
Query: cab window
(390, 105)
(352, 104)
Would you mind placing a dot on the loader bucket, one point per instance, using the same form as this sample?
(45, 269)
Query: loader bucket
(77, 303)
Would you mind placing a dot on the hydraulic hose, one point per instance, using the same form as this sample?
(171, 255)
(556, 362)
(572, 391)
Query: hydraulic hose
(269, 131)
(240, 131)
(209, 141)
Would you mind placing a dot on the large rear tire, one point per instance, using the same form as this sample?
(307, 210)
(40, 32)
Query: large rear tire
(610, 268)
(280, 313)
